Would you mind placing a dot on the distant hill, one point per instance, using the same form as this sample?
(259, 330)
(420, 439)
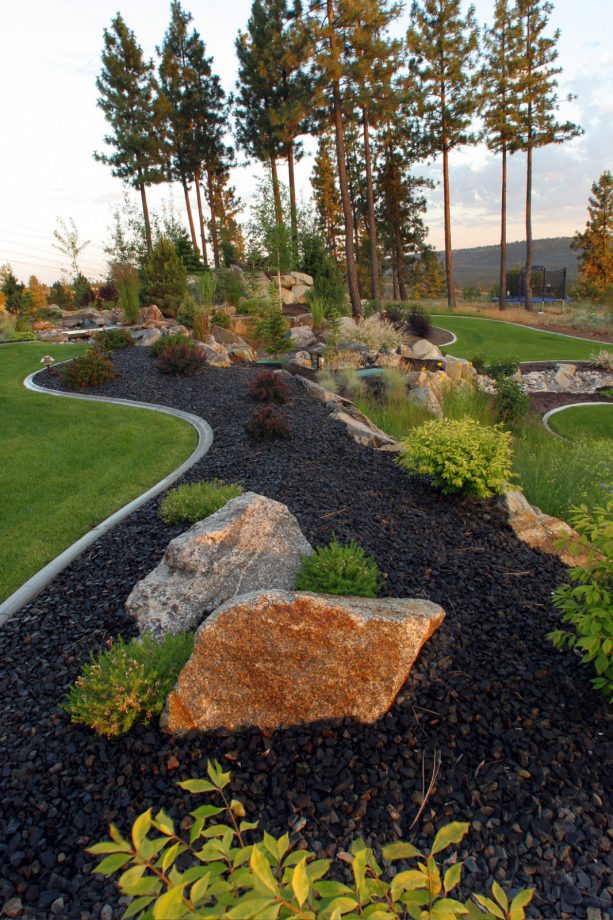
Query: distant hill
(480, 265)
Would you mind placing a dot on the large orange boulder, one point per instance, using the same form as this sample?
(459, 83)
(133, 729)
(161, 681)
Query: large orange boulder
(278, 658)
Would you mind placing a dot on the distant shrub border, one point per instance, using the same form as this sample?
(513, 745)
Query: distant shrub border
(89, 370)
(337, 569)
(190, 503)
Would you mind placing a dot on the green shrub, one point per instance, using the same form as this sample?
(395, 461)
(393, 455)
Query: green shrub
(127, 281)
(336, 569)
(164, 277)
(204, 289)
(271, 329)
(587, 602)
(267, 423)
(500, 370)
(512, 401)
(419, 322)
(268, 387)
(89, 370)
(479, 363)
(186, 311)
(110, 339)
(190, 503)
(229, 288)
(223, 874)
(220, 318)
(128, 683)
(167, 341)
(460, 456)
(181, 359)
(319, 308)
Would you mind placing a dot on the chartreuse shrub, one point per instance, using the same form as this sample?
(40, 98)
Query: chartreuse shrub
(460, 456)
(110, 339)
(89, 370)
(587, 602)
(337, 569)
(190, 503)
(128, 683)
(215, 871)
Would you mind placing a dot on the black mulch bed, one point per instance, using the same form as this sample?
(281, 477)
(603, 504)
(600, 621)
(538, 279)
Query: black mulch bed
(521, 735)
(543, 402)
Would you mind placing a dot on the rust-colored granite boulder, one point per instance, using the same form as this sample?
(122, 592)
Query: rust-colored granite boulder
(278, 658)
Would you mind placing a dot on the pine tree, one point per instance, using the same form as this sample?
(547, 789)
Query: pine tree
(444, 47)
(164, 277)
(595, 244)
(325, 193)
(128, 99)
(500, 102)
(535, 123)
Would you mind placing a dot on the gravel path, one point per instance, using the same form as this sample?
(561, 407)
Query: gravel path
(522, 737)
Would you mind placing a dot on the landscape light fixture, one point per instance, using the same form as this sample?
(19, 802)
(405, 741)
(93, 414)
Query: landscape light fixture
(48, 361)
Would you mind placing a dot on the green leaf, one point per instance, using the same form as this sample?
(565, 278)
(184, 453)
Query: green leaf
(198, 889)
(300, 882)
(399, 850)
(141, 828)
(249, 907)
(261, 869)
(136, 906)
(332, 889)
(197, 785)
(107, 846)
(452, 877)
(238, 808)
(130, 879)
(521, 900)
(112, 863)
(490, 905)
(410, 880)
(500, 896)
(343, 905)
(164, 823)
(170, 905)
(447, 908)
(451, 833)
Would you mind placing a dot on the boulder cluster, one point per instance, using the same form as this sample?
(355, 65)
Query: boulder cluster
(561, 378)
(266, 654)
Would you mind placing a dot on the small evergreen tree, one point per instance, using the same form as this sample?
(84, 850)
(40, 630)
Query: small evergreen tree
(17, 297)
(37, 292)
(595, 244)
(325, 193)
(164, 278)
(327, 280)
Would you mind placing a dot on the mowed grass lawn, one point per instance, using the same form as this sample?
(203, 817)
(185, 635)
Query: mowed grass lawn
(583, 422)
(66, 465)
(495, 340)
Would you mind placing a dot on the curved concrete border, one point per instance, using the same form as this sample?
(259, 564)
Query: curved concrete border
(449, 332)
(34, 585)
(555, 411)
(506, 322)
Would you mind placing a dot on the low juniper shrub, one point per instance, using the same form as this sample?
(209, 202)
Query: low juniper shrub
(511, 400)
(586, 602)
(110, 339)
(268, 387)
(460, 456)
(419, 322)
(168, 341)
(223, 868)
(127, 683)
(183, 359)
(267, 423)
(89, 370)
(479, 363)
(190, 503)
(501, 370)
(337, 569)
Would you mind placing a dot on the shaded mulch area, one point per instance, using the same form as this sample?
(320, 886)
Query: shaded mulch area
(543, 402)
(521, 735)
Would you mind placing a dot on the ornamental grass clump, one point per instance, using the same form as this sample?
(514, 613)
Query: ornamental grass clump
(89, 370)
(337, 569)
(269, 388)
(190, 503)
(128, 683)
(222, 868)
(460, 456)
(587, 602)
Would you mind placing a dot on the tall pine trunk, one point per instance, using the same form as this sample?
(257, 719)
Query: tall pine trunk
(402, 287)
(528, 270)
(341, 158)
(276, 191)
(143, 198)
(293, 210)
(502, 293)
(190, 217)
(448, 249)
(372, 226)
(205, 257)
(214, 238)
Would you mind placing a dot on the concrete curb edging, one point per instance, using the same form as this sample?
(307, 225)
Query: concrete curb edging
(34, 585)
(551, 412)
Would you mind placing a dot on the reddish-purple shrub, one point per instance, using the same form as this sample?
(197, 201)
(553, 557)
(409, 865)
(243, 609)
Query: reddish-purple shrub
(267, 423)
(181, 359)
(268, 387)
(89, 370)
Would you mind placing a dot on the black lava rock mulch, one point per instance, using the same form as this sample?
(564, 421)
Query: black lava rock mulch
(519, 731)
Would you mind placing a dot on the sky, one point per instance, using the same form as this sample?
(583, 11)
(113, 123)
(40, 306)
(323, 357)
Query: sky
(49, 59)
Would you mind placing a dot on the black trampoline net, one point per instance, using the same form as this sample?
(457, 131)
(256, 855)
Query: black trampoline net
(547, 284)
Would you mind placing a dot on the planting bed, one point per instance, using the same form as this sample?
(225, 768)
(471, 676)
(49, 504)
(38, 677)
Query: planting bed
(521, 735)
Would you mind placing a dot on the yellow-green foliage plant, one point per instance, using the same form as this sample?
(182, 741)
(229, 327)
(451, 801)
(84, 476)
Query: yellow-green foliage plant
(460, 456)
(214, 871)
(587, 602)
(190, 503)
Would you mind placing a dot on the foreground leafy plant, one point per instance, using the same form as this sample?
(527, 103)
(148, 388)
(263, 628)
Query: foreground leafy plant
(190, 503)
(89, 370)
(460, 456)
(337, 569)
(587, 603)
(512, 401)
(128, 683)
(215, 872)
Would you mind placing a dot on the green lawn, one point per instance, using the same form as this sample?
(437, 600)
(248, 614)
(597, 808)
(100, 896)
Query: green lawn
(583, 422)
(496, 340)
(66, 465)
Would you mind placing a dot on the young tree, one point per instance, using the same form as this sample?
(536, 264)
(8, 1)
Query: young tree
(535, 124)
(500, 101)
(325, 193)
(595, 244)
(128, 99)
(16, 296)
(67, 242)
(164, 278)
(444, 47)
(38, 292)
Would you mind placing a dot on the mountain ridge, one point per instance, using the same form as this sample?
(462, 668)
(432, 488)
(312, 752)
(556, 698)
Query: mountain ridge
(479, 265)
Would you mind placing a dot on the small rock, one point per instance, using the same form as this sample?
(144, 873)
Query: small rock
(13, 908)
